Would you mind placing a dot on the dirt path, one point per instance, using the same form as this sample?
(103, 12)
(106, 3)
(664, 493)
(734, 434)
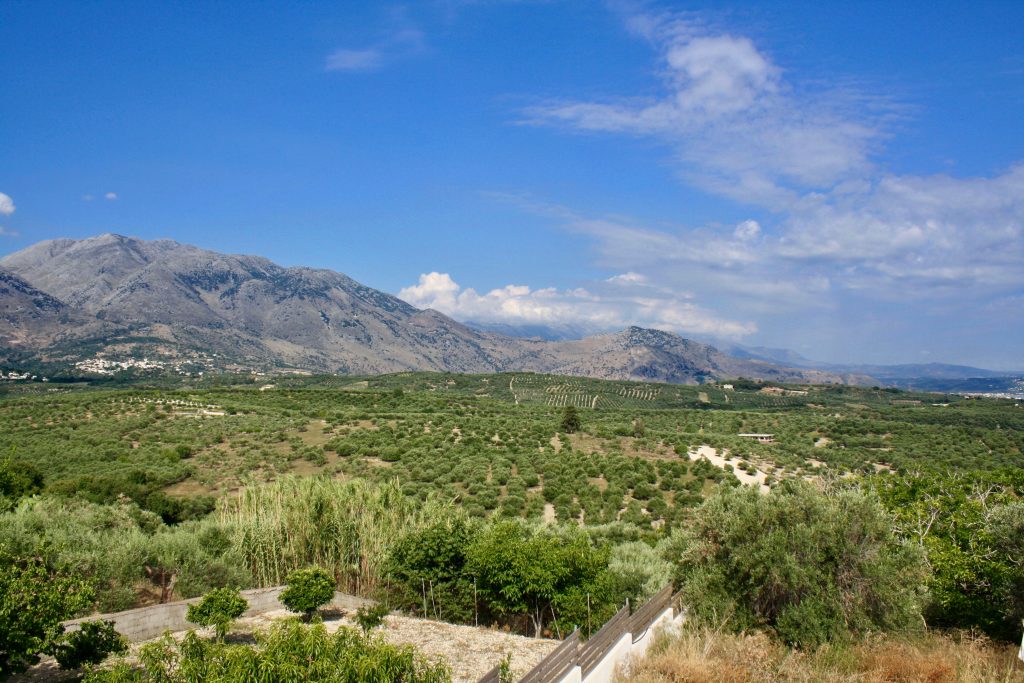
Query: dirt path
(708, 453)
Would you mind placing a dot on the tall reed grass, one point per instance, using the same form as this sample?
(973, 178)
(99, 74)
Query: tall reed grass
(346, 527)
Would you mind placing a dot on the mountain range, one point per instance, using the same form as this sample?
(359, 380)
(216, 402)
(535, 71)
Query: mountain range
(65, 301)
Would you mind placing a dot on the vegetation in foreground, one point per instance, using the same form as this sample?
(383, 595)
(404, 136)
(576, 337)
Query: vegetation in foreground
(288, 651)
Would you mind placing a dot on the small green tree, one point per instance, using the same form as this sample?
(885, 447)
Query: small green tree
(370, 617)
(571, 422)
(434, 556)
(90, 644)
(218, 608)
(539, 571)
(308, 590)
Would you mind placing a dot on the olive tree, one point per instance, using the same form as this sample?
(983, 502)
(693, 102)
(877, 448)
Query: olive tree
(814, 566)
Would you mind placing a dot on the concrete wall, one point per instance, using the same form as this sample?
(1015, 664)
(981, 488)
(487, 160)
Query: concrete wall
(624, 651)
(145, 623)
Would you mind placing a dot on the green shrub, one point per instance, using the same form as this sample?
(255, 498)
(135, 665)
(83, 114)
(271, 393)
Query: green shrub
(218, 608)
(427, 568)
(539, 571)
(815, 567)
(33, 602)
(370, 617)
(90, 644)
(308, 590)
(288, 651)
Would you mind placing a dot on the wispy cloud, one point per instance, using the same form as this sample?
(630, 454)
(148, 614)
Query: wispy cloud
(737, 127)
(5, 232)
(841, 234)
(399, 43)
(6, 205)
(110, 196)
(622, 300)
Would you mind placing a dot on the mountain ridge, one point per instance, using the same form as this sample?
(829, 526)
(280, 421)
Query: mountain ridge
(258, 314)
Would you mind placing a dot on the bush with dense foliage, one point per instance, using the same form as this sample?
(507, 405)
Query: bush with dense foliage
(308, 590)
(218, 608)
(972, 528)
(93, 642)
(540, 571)
(288, 651)
(571, 422)
(814, 566)
(427, 568)
(33, 602)
(17, 480)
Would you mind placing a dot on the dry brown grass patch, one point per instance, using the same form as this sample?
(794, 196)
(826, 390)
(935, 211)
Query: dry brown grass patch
(699, 656)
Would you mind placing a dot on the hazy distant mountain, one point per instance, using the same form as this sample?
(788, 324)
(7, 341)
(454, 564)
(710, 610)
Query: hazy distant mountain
(907, 374)
(124, 295)
(770, 355)
(536, 331)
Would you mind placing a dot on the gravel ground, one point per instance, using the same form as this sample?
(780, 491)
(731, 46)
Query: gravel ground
(470, 652)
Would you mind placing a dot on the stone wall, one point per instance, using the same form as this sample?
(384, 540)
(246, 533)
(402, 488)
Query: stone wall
(146, 623)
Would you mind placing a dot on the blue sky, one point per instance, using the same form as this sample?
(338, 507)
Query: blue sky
(842, 179)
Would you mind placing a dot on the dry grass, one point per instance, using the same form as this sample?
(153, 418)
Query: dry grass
(701, 656)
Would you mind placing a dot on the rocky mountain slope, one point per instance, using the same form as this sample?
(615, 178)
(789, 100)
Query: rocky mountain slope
(114, 294)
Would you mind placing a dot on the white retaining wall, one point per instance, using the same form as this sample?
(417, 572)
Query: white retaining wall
(624, 651)
(145, 623)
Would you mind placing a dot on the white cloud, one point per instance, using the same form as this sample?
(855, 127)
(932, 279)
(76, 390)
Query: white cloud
(87, 197)
(355, 60)
(838, 236)
(111, 196)
(599, 308)
(737, 127)
(629, 278)
(747, 230)
(399, 43)
(6, 205)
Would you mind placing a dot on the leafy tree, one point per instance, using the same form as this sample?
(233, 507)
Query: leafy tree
(815, 567)
(370, 617)
(638, 571)
(33, 602)
(308, 590)
(972, 528)
(218, 608)
(428, 568)
(571, 422)
(537, 571)
(90, 644)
